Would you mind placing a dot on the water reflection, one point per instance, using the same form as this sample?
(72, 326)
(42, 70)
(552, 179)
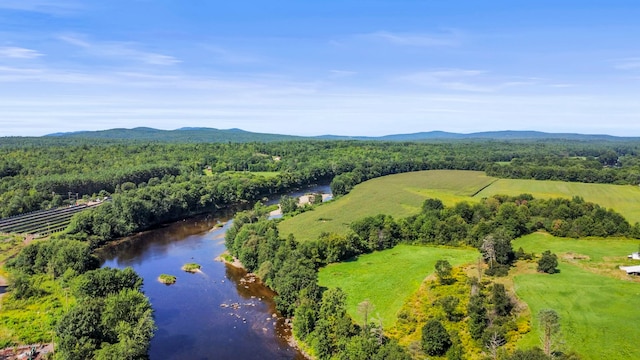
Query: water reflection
(220, 313)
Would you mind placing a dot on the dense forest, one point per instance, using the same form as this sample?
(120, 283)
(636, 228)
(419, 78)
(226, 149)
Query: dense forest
(43, 174)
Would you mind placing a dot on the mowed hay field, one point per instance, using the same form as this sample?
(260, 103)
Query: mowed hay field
(622, 198)
(398, 195)
(402, 195)
(387, 278)
(596, 301)
(597, 250)
(598, 314)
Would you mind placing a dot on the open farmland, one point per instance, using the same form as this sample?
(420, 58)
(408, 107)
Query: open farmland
(398, 195)
(597, 313)
(595, 300)
(402, 195)
(587, 250)
(387, 278)
(622, 198)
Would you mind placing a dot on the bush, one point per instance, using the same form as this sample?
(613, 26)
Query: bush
(548, 263)
(435, 338)
(443, 272)
(497, 270)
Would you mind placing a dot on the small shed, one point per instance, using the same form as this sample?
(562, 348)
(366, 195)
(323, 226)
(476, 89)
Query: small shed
(634, 256)
(631, 270)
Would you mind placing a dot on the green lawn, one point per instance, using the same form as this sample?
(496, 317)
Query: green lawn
(623, 198)
(599, 315)
(387, 278)
(596, 300)
(598, 249)
(398, 195)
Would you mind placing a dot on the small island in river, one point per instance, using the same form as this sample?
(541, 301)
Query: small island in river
(167, 279)
(191, 267)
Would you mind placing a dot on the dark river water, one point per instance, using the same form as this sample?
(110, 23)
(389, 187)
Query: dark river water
(219, 313)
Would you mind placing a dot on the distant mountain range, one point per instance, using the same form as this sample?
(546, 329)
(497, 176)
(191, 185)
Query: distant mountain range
(191, 134)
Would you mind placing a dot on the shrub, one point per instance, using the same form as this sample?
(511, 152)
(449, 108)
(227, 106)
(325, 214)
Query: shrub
(435, 338)
(548, 263)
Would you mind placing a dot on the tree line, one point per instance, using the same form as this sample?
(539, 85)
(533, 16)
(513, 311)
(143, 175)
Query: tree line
(112, 318)
(39, 174)
(290, 267)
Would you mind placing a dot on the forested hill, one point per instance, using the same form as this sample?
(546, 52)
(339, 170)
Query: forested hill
(210, 135)
(487, 135)
(181, 135)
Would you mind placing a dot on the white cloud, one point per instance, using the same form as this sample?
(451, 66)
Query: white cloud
(18, 53)
(480, 81)
(451, 79)
(628, 64)
(118, 50)
(53, 7)
(416, 39)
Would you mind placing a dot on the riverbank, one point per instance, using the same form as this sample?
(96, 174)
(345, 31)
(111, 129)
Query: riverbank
(226, 258)
(291, 339)
(35, 352)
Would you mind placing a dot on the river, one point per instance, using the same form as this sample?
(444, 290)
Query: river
(218, 313)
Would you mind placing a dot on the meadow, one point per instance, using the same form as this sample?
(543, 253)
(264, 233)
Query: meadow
(623, 198)
(595, 299)
(388, 278)
(398, 195)
(402, 195)
(598, 314)
(612, 251)
(18, 317)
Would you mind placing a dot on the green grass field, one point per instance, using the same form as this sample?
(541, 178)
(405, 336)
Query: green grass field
(402, 195)
(597, 249)
(622, 198)
(596, 300)
(398, 195)
(387, 278)
(598, 314)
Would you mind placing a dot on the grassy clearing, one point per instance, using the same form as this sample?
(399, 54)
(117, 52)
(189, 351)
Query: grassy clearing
(398, 195)
(387, 278)
(32, 321)
(602, 256)
(598, 314)
(623, 198)
(10, 245)
(596, 300)
(266, 174)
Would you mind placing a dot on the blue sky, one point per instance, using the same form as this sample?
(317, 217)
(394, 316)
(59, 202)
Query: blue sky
(320, 67)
